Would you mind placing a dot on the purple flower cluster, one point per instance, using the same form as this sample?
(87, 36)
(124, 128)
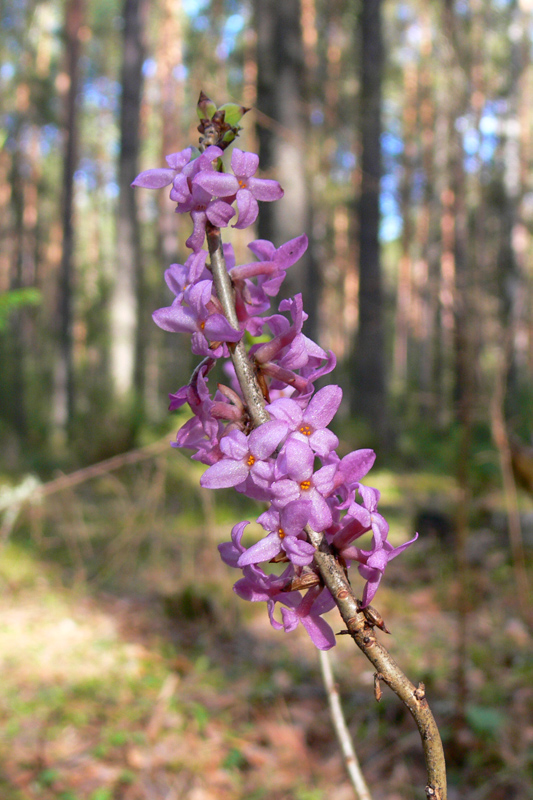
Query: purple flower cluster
(202, 190)
(289, 462)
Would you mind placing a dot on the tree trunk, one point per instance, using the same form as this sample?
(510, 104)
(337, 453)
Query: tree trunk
(127, 347)
(64, 371)
(282, 139)
(368, 387)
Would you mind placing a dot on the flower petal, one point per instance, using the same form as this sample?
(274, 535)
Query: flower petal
(323, 406)
(266, 190)
(263, 550)
(300, 553)
(299, 459)
(234, 444)
(175, 319)
(355, 465)
(218, 184)
(178, 160)
(219, 213)
(154, 178)
(180, 189)
(323, 442)
(218, 329)
(320, 632)
(264, 439)
(224, 474)
(244, 164)
(248, 209)
(320, 517)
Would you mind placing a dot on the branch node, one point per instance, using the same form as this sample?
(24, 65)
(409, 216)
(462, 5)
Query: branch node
(433, 793)
(420, 692)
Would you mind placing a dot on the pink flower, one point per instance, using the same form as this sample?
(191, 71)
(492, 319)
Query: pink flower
(200, 319)
(202, 207)
(286, 533)
(309, 425)
(158, 178)
(372, 564)
(242, 185)
(298, 482)
(309, 612)
(245, 455)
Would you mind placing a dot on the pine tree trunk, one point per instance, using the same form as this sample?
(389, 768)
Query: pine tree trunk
(127, 346)
(368, 387)
(282, 139)
(64, 372)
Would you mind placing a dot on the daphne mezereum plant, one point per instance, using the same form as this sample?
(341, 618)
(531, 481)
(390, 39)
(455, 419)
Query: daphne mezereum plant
(267, 431)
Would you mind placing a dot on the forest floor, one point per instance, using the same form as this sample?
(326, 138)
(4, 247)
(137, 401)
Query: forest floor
(130, 671)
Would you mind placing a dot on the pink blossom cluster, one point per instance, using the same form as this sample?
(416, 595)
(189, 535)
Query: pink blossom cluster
(290, 462)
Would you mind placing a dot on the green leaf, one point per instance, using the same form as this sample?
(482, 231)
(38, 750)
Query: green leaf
(205, 109)
(229, 136)
(233, 113)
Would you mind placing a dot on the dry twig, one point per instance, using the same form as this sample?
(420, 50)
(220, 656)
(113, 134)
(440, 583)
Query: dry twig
(353, 767)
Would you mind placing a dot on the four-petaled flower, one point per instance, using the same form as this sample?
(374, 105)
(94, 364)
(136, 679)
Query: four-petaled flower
(200, 319)
(242, 185)
(310, 425)
(300, 482)
(286, 533)
(244, 455)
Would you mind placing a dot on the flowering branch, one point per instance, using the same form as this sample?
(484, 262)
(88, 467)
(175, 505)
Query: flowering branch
(265, 433)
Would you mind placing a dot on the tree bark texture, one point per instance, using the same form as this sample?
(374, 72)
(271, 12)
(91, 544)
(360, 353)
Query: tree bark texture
(127, 304)
(368, 396)
(282, 139)
(64, 375)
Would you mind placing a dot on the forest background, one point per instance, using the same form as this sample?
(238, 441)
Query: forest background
(402, 135)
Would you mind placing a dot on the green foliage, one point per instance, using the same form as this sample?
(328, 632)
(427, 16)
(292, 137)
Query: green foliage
(16, 299)
(206, 108)
(233, 113)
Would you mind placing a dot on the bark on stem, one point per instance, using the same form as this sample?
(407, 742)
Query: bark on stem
(331, 572)
(252, 394)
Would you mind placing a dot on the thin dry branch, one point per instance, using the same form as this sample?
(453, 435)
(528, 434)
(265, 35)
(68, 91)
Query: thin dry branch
(331, 572)
(103, 467)
(353, 767)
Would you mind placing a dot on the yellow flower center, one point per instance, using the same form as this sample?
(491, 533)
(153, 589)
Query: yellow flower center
(242, 183)
(306, 430)
(305, 486)
(250, 461)
(281, 533)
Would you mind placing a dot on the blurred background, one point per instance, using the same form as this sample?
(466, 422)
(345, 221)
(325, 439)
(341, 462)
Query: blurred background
(402, 135)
